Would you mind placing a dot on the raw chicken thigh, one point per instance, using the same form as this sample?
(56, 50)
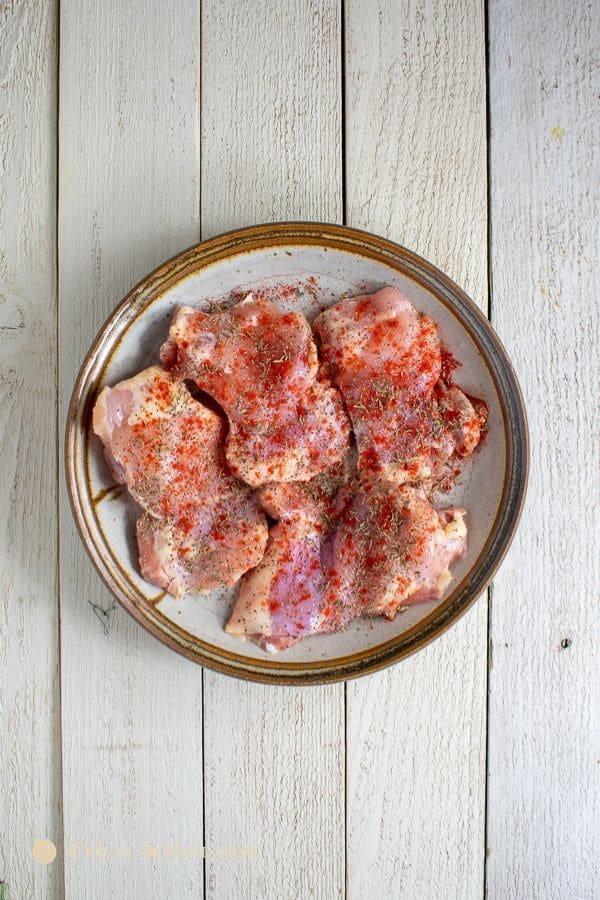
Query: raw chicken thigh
(260, 364)
(281, 601)
(386, 358)
(390, 549)
(201, 528)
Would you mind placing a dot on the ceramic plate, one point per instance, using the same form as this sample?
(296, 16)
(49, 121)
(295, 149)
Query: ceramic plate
(309, 266)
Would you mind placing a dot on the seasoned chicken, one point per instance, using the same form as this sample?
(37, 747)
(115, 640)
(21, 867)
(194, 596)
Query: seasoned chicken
(201, 527)
(391, 549)
(281, 600)
(260, 364)
(386, 358)
(388, 549)
(354, 532)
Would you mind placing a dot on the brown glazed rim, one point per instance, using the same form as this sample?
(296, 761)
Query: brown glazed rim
(361, 243)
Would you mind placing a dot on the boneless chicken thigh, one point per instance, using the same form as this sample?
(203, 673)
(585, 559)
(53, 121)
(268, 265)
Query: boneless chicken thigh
(281, 601)
(386, 358)
(260, 364)
(201, 527)
(389, 549)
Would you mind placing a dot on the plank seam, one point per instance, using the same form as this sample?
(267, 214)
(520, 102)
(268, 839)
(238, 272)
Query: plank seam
(488, 131)
(203, 790)
(202, 679)
(61, 797)
(343, 108)
(344, 221)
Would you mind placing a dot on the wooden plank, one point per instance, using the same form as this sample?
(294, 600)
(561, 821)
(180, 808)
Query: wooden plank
(416, 172)
(129, 197)
(271, 149)
(544, 759)
(29, 685)
(271, 118)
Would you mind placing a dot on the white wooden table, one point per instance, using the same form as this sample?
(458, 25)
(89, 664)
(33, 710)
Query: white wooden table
(128, 131)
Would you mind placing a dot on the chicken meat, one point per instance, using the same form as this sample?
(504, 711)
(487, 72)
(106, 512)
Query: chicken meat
(201, 527)
(386, 359)
(391, 549)
(281, 601)
(260, 364)
(374, 548)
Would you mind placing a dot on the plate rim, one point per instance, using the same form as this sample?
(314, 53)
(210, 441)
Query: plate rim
(481, 331)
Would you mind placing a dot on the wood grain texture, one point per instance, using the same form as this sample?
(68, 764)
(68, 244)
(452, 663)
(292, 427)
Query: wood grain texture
(29, 683)
(544, 756)
(271, 113)
(129, 179)
(129, 198)
(271, 149)
(416, 172)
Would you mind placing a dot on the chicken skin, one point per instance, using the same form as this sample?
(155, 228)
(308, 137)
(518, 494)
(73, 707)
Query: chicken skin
(387, 549)
(281, 600)
(391, 549)
(260, 364)
(201, 527)
(386, 359)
